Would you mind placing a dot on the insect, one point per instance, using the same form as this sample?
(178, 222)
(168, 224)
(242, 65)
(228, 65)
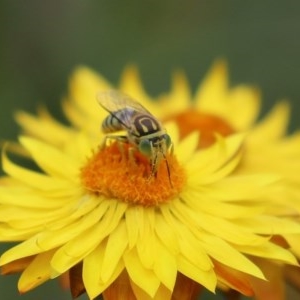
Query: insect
(144, 131)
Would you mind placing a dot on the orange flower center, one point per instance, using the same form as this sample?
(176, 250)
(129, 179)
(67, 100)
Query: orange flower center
(120, 171)
(207, 125)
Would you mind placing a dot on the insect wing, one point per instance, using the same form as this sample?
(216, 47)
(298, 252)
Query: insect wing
(114, 101)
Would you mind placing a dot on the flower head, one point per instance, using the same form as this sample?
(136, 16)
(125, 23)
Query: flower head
(91, 209)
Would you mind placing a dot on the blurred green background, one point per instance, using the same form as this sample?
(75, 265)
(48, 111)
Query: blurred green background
(41, 42)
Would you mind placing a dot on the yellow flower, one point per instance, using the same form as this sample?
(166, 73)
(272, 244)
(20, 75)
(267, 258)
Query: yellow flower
(217, 108)
(93, 211)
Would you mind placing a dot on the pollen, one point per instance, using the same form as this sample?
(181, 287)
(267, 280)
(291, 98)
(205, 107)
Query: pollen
(207, 124)
(120, 171)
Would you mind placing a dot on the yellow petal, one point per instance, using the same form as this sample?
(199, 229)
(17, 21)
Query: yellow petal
(92, 266)
(116, 245)
(241, 188)
(270, 225)
(44, 128)
(180, 90)
(243, 107)
(84, 85)
(51, 160)
(270, 251)
(24, 197)
(9, 234)
(218, 174)
(131, 84)
(53, 238)
(187, 147)
(173, 131)
(33, 179)
(162, 293)
(179, 99)
(137, 273)
(165, 267)
(146, 244)
(167, 234)
(75, 250)
(198, 221)
(24, 249)
(188, 244)
(273, 126)
(83, 121)
(225, 210)
(212, 93)
(206, 278)
(228, 255)
(133, 215)
(214, 158)
(82, 206)
(40, 220)
(36, 273)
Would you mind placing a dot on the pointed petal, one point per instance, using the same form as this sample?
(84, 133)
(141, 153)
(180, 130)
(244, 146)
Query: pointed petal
(36, 273)
(165, 267)
(270, 251)
(26, 248)
(132, 85)
(173, 131)
(56, 237)
(84, 85)
(31, 178)
(74, 251)
(187, 147)
(50, 159)
(167, 234)
(44, 128)
(179, 99)
(243, 107)
(206, 278)
(137, 273)
(212, 93)
(162, 293)
(230, 256)
(133, 215)
(215, 158)
(116, 245)
(273, 126)
(92, 276)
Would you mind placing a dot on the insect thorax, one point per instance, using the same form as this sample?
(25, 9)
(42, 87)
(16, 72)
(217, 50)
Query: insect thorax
(144, 125)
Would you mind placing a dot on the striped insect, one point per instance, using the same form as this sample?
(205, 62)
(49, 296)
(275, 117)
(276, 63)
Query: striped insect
(144, 131)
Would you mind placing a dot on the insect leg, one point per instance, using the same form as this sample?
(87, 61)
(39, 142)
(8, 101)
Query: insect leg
(131, 156)
(118, 138)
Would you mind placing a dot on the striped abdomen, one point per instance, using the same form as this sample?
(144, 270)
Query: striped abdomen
(112, 122)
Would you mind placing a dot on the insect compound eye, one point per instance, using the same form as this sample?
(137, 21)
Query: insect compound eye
(168, 141)
(145, 147)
